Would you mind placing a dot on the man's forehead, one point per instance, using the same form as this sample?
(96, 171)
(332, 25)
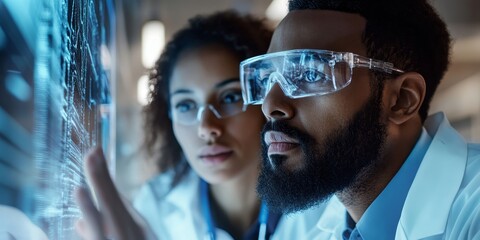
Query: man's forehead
(319, 29)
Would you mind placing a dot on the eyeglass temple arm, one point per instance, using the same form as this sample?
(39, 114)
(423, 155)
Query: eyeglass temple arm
(386, 67)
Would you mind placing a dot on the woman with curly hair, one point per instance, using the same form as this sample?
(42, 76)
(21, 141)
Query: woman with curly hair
(206, 143)
(204, 140)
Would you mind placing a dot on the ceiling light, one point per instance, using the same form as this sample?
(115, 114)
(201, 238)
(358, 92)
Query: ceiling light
(153, 41)
(142, 90)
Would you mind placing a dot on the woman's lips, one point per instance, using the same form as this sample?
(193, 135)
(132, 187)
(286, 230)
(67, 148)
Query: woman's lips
(214, 154)
(216, 159)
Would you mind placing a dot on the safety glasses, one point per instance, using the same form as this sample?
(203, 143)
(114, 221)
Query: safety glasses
(193, 115)
(303, 73)
(186, 110)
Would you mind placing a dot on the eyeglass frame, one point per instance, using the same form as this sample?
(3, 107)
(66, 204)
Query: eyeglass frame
(200, 112)
(353, 60)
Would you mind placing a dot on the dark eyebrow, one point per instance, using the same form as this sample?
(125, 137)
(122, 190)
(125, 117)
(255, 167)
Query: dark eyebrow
(179, 91)
(218, 85)
(226, 82)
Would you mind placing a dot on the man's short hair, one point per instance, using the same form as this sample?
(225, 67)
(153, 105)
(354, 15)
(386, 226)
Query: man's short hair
(408, 33)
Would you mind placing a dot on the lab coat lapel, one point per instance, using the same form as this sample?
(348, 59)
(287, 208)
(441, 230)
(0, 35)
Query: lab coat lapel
(427, 206)
(182, 210)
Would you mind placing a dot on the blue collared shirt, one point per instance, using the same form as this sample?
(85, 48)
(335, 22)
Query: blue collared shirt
(381, 218)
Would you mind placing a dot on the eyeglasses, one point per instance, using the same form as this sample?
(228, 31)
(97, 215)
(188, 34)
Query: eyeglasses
(303, 73)
(188, 112)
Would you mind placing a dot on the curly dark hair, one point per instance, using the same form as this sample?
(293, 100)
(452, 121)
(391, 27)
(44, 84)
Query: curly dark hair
(408, 33)
(245, 35)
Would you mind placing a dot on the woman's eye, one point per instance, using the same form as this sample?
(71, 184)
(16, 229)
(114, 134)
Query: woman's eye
(232, 97)
(185, 106)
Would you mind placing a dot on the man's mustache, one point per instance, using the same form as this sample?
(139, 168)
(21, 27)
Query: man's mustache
(283, 127)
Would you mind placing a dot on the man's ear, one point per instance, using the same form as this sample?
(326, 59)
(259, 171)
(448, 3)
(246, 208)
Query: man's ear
(405, 95)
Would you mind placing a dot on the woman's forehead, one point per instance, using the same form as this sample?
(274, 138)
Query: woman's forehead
(205, 69)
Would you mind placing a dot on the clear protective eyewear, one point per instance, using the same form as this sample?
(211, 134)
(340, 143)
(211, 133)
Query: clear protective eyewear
(303, 73)
(190, 113)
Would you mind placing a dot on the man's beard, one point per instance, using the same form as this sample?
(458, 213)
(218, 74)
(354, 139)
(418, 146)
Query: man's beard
(335, 165)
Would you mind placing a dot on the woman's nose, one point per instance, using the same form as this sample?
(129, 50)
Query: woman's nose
(210, 126)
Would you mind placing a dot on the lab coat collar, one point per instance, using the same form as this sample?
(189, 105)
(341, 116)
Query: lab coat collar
(427, 206)
(436, 184)
(334, 218)
(185, 196)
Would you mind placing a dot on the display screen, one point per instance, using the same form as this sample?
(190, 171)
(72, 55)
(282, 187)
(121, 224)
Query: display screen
(55, 104)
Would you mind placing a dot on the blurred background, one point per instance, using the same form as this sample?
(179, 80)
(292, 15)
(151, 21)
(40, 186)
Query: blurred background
(73, 75)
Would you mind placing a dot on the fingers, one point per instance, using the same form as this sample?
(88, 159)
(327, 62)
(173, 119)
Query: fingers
(91, 227)
(108, 198)
(116, 218)
(81, 229)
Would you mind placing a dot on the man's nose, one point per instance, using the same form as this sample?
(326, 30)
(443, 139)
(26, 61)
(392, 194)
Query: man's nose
(276, 105)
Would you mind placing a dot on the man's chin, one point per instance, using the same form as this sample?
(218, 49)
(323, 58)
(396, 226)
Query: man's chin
(286, 163)
(288, 191)
(287, 198)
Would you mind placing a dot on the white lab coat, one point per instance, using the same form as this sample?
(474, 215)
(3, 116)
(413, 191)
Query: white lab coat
(444, 199)
(176, 215)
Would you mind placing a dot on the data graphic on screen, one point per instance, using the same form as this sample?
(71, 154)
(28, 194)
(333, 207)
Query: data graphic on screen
(56, 91)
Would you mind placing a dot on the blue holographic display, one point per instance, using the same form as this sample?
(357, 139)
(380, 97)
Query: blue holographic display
(55, 104)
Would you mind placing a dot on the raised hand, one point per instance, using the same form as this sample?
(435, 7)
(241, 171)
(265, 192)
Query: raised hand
(113, 219)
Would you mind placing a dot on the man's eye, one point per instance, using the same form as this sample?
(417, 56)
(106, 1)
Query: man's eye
(312, 75)
(185, 106)
(232, 97)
